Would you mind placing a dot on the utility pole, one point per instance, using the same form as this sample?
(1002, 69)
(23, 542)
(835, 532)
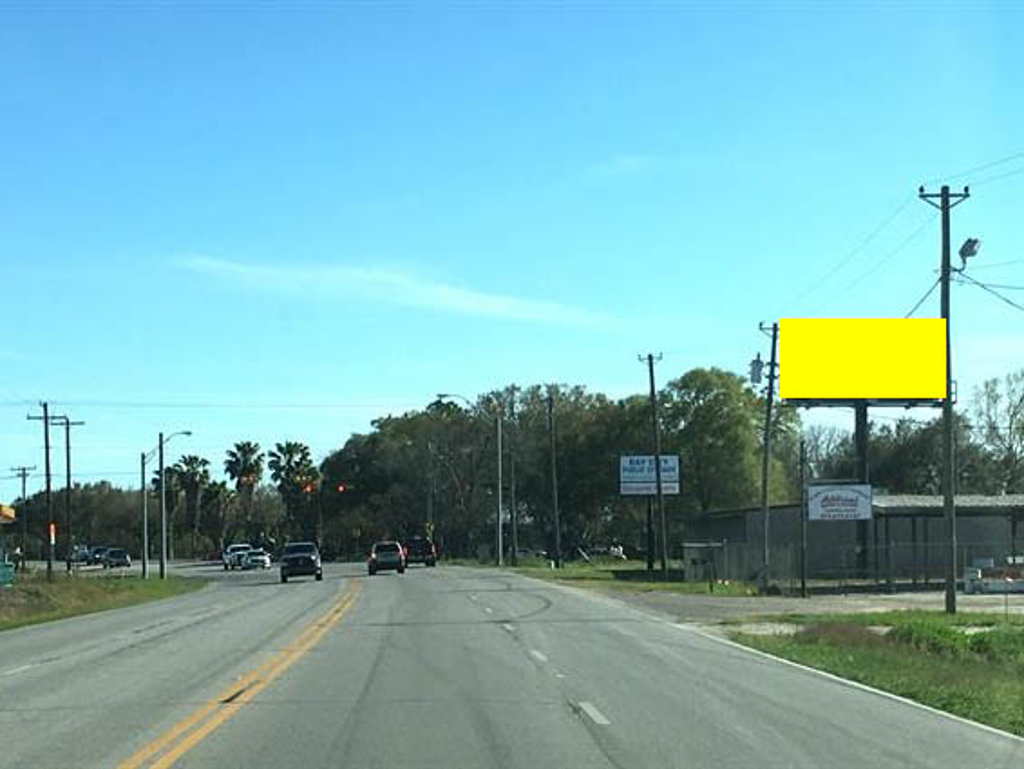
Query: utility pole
(23, 474)
(656, 428)
(49, 489)
(512, 482)
(803, 519)
(554, 478)
(145, 516)
(947, 201)
(68, 531)
(767, 453)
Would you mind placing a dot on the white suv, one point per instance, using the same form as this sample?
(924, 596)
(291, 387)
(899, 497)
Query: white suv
(234, 556)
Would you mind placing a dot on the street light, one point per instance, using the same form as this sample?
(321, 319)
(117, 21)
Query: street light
(497, 420)
(145, 457)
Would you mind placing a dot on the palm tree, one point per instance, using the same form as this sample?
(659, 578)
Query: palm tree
(244, 465)
(193, 474)
(297, 479)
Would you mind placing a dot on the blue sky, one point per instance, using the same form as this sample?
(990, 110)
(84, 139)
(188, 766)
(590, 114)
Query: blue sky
(268, 222)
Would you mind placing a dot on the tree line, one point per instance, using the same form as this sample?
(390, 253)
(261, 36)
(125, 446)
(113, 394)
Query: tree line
(433, 471)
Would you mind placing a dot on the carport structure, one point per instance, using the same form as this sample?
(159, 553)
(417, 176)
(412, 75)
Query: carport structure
(909, 544)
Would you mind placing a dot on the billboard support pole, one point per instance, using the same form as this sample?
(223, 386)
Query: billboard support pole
(860, 439)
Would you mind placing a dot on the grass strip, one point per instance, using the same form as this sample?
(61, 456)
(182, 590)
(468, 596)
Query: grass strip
(32, 599)
(926, 657)
(619, 577)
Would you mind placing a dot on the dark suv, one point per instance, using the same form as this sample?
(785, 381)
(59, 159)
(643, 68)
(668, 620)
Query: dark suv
(420, 550)
(301, 558)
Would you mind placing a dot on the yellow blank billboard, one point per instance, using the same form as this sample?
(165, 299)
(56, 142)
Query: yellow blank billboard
(872, 358)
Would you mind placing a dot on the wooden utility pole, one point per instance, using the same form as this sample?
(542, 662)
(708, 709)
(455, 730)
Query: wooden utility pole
(947, 201)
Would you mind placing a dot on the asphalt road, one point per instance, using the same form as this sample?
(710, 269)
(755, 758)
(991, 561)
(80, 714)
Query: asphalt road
(441, 667)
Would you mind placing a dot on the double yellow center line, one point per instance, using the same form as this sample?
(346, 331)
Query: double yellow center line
(185, 735)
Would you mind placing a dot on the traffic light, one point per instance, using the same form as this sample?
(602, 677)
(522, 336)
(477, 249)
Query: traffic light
(342, 488)
(308, 488)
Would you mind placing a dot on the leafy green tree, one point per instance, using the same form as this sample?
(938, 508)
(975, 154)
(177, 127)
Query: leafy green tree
(711, 420)
(999, 413)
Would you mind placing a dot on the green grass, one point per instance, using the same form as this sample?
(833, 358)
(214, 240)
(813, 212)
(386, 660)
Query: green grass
(32, 599)
(899, 617)
(925, 656)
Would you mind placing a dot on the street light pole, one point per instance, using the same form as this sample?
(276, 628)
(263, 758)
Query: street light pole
(163, 498)
(163, 510)
(501, 543)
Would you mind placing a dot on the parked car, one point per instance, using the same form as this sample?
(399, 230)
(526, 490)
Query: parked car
(385, 556)
(96, 555)
(257, 559)
(233, 557)
(420, 550)
(301, 558)
(116, 558)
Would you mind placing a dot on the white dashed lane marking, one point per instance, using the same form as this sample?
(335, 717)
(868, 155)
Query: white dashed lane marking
(595, 715)
(539, 656)
(508, 627)
(488, 609)
(12, 671)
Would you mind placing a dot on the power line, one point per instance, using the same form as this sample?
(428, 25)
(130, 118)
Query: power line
(914, 235)
(977, 169)
(997, 264)
(1005, 287)
(843, 261)
(992, 291)
(922, 299)
(998, 177)
(223, 405)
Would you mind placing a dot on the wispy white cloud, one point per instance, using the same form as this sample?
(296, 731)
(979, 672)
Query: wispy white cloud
(389, 286)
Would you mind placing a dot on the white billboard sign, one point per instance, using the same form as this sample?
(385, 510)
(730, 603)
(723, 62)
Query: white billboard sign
(637, 476)
(842, 502)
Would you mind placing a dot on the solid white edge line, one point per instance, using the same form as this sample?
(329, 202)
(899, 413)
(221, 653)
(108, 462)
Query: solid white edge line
(595, 715)
(849, 683)
(830, 676)
(539, 656)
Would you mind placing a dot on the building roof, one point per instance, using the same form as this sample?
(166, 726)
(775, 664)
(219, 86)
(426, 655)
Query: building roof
(978, 504)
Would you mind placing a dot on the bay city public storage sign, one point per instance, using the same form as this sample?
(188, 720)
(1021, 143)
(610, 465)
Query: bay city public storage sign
(636, 475)
(849, 502)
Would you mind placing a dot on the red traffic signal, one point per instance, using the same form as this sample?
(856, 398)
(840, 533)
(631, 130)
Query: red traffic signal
(308, 488)
(342, 488)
